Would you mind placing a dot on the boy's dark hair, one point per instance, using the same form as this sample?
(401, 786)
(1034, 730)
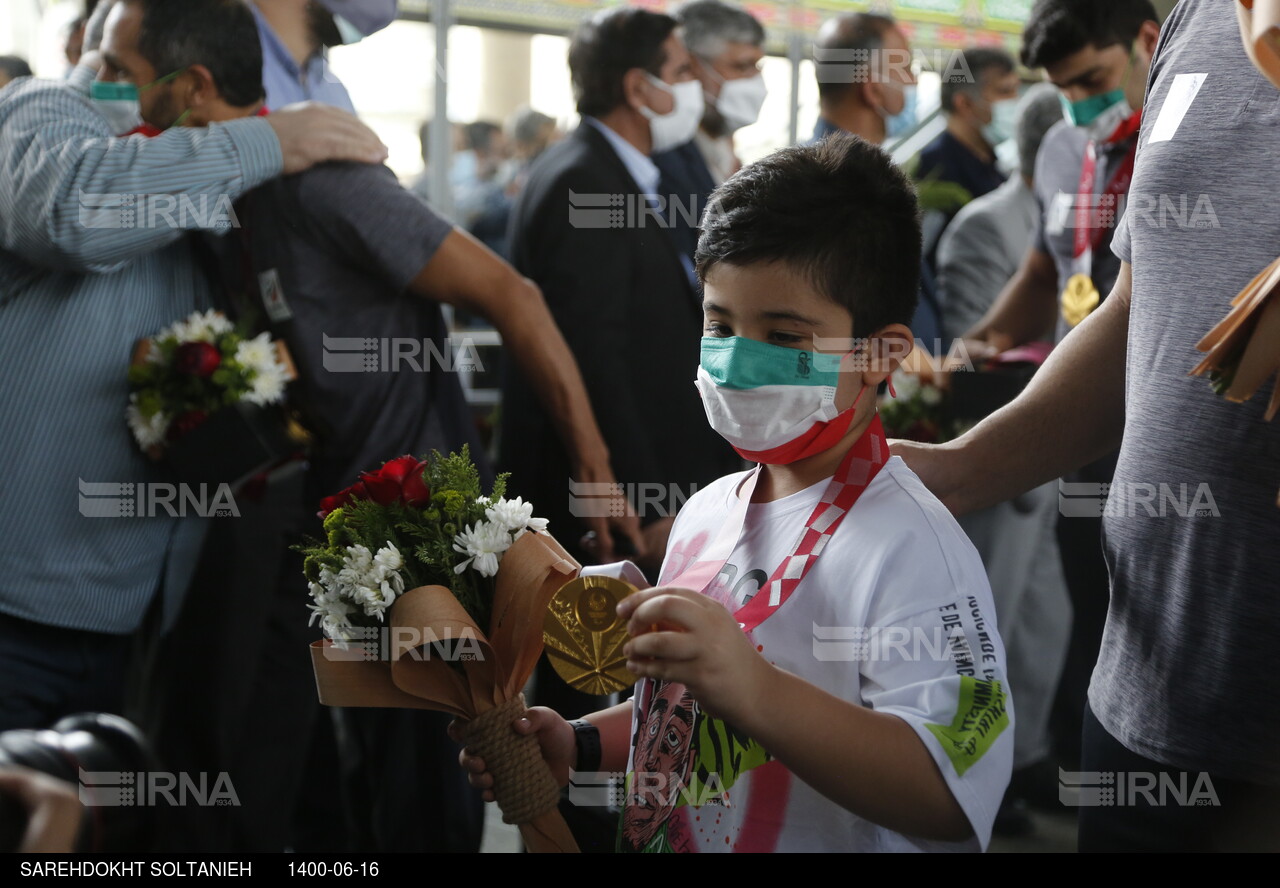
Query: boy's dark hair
(608, 45)
(981, 64)
(1059, 28)
(221, 35)
(839, 212)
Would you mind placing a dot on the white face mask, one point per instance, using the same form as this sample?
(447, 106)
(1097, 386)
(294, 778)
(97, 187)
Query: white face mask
(773, 404)
(740, 101)
(118, 103)
(678, 125)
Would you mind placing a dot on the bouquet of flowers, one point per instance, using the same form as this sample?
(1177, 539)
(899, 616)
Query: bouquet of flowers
(194, 368)
(431, 595)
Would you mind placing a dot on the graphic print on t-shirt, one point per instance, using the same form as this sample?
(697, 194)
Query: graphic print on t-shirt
(682, 757)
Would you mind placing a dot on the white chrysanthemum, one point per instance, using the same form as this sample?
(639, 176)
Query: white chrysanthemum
(510, 514)
(258, 356)
(199, 327)
(268, 386)
(484, 545)
(905, 385)
(148, 431)
(336, 626)
(388, 558)
(355, 566)
(256, 353)
(515, 515)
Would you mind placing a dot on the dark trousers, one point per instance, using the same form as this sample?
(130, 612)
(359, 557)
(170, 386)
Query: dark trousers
(231, 688)
(47, 672)
(1089, 585)
(1177, 810)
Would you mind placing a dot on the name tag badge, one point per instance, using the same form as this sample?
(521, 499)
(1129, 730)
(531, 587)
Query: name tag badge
(1182, 92)
(1060, 210)
(273, 296)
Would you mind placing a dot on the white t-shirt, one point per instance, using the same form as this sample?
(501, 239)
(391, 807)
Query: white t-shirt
(896, 615)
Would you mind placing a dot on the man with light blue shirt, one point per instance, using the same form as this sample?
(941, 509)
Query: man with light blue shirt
(294, 35)
(76, 291)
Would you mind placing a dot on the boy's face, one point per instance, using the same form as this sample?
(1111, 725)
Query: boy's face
(771, 303)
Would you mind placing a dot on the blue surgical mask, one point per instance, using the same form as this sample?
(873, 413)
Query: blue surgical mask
(897, 125)
(1004, 116)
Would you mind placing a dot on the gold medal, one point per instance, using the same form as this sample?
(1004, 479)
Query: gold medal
(1079, 298)
(584, 636)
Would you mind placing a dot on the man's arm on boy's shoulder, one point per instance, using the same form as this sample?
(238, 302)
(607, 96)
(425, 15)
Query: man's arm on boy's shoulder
(72, 196)
(1070, 414)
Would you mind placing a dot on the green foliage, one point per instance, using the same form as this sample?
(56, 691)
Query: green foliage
(424, 536)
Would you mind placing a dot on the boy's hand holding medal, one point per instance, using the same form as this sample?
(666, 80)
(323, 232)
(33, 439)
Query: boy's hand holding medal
(683, 636)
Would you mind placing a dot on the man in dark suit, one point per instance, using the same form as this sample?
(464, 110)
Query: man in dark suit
(726, 44)
(592, 232)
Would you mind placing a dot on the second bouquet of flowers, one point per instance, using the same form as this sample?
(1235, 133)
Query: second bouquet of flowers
(432, 595)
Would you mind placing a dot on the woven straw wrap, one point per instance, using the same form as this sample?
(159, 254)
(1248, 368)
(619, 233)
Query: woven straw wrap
(522, 784)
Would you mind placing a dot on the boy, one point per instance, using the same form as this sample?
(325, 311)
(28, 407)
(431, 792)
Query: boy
(812, 678)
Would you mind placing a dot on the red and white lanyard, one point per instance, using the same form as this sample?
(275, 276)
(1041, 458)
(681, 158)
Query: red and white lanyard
(861, 464)
(1088, 229)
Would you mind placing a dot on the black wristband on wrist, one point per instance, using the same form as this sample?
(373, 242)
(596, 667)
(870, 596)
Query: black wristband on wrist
(587, 738)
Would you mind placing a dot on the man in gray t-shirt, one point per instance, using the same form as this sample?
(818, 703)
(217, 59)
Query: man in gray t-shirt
(1186, 675)
(1185, 703)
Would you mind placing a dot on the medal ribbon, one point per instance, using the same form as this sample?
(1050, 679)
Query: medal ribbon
(861, 464)
(1087, 234)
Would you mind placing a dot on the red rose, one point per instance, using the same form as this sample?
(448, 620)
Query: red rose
(414, 491)
(337, 501)
(197, 359)
(381, 489)
(185, 423)
(397, 481)
(396, 469)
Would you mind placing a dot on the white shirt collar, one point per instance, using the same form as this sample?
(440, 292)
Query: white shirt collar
(638, 164)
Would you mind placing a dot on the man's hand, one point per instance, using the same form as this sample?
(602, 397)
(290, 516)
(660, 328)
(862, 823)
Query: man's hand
(933, 465)
(53, 810)
(555, 737)
(683, 636)
(621, 520)
(312, 133)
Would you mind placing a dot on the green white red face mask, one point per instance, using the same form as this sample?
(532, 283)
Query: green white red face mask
(774, 404)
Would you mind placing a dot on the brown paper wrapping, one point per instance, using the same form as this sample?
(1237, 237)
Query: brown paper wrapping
(1249, 334)
(531, 571)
